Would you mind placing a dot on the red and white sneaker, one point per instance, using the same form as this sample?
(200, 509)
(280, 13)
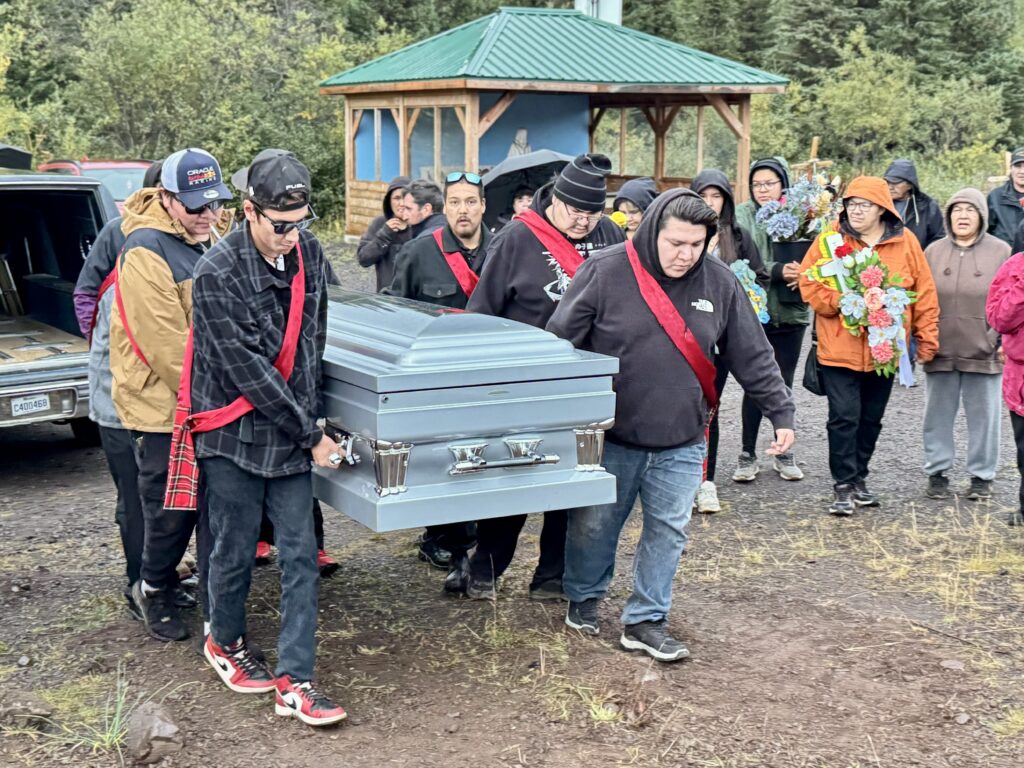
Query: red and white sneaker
(302, 700)
(327, 564)
(239, 669)
(262, 553)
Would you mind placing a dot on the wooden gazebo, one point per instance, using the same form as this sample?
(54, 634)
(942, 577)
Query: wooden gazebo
(543, 79)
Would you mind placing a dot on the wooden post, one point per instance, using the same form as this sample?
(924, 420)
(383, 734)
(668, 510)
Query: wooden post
(659, 143)
(403, 145)
(437, 145)
(700, 139)
(743, 151)
(622, 141)
(472, 131)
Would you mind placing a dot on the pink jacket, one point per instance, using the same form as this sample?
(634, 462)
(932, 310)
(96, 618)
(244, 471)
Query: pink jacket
(1005, 312)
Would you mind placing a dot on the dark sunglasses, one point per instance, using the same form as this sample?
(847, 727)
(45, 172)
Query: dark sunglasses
(472, 178)
(284, 227)
(213, 205)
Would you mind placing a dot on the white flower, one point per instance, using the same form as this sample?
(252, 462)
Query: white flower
(848, 262)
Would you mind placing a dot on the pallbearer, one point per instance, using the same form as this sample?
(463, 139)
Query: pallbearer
(661, 306)
(442, 267)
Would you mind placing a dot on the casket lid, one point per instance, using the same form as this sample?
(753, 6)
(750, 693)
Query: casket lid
(387, 344)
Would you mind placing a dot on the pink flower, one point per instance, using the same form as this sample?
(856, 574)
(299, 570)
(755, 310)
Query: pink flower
(882, 353)
(879, 318)
(874, 297)
(872, 277)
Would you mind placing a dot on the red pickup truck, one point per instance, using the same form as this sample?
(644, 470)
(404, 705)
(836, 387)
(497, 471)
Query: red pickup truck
(120, 177)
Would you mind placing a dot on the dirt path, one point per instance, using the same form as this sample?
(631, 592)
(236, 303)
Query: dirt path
(895, 638)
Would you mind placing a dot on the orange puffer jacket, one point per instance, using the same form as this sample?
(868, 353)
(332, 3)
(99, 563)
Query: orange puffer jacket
(902, 254)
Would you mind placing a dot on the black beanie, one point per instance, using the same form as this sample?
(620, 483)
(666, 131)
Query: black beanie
(582, 184)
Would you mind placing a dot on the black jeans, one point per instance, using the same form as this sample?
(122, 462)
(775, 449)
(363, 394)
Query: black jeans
(721, 374)
(117, 446)
(267, 527)
(457, 538)
(856, 404)
(168, 532)
(496, 540)
(1017, 421)
(786, 340)
(237, 500)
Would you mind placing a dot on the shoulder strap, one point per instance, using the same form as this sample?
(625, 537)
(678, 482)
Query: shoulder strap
(554, 242)
(672, 323)
(466, 277)
(105, 286)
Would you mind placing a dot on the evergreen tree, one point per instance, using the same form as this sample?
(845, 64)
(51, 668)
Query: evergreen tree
(809, 36)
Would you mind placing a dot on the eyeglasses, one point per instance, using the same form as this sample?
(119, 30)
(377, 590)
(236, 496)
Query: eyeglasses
(764, 186)
(213, 205)
(284, 227)
(587, 218)
(860, 206)
(472, 178)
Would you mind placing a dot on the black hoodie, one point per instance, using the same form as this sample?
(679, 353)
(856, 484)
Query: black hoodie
(659, 403)
(520, 280)
(380, 244)
(745, 247)
(921, 214)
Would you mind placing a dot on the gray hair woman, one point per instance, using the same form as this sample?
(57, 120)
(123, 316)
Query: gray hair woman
(968, 364)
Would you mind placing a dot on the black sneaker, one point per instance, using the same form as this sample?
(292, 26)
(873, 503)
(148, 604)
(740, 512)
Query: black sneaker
(133, 608)
(480, 589)
(547, 590)
(652, 638)
(183, 598)
(862, 497)
(458, 576)
(160, 614)
(1016, 518)
(433, 553)
(842, 505)
(979, 490)
(938, 486)
(583, 616)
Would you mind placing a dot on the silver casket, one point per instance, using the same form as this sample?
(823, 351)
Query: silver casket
(453, 416)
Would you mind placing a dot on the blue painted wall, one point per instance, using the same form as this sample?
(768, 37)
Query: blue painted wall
(552, 121)
(365, 160)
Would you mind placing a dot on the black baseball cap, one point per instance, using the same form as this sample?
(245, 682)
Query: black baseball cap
(274, 179)
(1017, 157)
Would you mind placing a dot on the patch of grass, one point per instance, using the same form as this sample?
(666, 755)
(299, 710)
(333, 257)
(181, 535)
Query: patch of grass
(89, 613)
(1011, 724)
(371, 650)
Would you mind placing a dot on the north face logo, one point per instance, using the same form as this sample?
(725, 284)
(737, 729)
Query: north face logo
(703, 305)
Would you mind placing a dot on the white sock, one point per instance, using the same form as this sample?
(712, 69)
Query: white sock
(206, 628)
(148, 589)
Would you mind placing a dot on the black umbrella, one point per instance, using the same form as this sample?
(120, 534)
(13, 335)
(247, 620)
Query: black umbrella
(15, 158)
(532, 170)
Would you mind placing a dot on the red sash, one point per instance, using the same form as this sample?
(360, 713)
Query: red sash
(467, 277)
(183, 471)
(115, 278)
(672, 323)
(554, 242)
(108, 281)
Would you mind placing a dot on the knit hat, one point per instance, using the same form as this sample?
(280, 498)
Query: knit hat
(582, 183)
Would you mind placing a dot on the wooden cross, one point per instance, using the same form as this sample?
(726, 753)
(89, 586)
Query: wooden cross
(811, 166)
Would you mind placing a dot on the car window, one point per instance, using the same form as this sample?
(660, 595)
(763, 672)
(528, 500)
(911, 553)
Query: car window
(121, 182)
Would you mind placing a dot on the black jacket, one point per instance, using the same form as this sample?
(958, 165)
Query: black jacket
(239, 313)
(1005, 213)
(423, 274)
(380, 244)
(521, 281)
(98, 264)
(658, 400)
(746, 249)
(921, 214)
(1018, 239)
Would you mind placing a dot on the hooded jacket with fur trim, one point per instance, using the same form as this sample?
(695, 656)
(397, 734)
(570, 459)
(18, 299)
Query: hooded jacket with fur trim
(902, 254)
(658, 400)
(962, 278)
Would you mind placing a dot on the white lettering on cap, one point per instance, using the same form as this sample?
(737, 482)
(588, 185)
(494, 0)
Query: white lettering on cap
(289, 187)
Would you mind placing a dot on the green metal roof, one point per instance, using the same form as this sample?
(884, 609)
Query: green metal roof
(552, 45)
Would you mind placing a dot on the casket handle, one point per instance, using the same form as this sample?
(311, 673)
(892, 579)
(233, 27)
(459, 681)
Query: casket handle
(522, 452)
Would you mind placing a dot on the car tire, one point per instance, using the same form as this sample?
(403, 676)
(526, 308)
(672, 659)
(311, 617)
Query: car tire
(86, 431)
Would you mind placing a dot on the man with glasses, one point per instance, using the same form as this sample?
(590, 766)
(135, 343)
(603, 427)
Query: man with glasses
(530, 264)
(167, 230)
(442, 268)
(258, 341)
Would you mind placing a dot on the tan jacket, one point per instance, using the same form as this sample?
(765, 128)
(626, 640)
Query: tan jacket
(962, 277)
(155, 281)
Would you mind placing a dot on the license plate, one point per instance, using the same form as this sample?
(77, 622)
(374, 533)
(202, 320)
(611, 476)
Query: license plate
(24, 406)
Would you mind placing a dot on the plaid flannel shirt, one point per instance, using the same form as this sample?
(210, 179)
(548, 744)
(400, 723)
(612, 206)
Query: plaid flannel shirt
(240, 309)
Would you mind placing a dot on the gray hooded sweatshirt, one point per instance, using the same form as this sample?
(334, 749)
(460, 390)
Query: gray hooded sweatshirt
(658, 400)
(962, 278)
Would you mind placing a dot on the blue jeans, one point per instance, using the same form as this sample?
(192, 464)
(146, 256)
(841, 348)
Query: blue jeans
(667, 482)
(237, 500)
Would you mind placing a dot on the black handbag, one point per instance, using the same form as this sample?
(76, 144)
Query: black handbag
(812, 369)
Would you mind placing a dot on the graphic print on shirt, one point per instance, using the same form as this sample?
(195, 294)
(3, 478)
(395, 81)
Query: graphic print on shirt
(556, 288)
